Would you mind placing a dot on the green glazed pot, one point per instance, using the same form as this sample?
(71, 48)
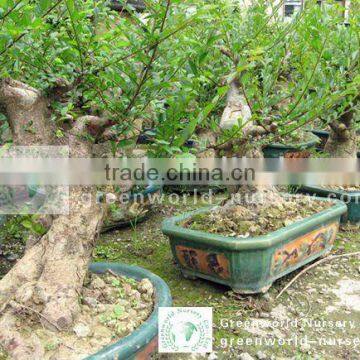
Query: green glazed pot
(251, 265)
(143, 341)
(350, 198)
(294, 150)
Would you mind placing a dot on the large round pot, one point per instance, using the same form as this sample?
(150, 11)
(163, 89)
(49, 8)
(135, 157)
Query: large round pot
(143, 341)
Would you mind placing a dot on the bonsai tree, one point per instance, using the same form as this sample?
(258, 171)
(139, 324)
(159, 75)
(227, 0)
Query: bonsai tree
(335, 80)
(78, 75)
(85, 74)
(275, 91)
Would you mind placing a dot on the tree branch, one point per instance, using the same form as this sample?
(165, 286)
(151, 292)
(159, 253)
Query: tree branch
(146, 69)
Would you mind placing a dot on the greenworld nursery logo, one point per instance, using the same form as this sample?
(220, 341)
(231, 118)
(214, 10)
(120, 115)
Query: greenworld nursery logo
(185, 329)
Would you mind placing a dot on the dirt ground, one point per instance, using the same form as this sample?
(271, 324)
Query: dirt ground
(317, 318)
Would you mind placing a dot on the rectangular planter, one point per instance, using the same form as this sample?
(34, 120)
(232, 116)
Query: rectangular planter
(251, 265)
(350, 198)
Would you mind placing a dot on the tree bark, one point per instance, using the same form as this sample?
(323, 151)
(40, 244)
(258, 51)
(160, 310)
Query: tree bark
(342, 142)
(339, 146)
(50, 276)
(238, 112)
(28, 113)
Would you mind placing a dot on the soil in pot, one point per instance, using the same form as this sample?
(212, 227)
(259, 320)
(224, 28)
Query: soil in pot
(255, 219)
(112, 307)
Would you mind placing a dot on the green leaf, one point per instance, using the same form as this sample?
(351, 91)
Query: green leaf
(27, 224)
(123, 43)
(38, 229)
(193, 67)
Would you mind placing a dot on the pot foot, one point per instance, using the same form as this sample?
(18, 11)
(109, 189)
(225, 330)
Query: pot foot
(326, 253)
(262, 290)
(188, 276)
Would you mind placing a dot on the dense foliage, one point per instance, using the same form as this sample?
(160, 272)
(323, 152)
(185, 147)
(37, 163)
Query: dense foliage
(171, 65)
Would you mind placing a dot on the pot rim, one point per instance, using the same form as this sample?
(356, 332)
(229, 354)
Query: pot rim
(170, 227)
(299, 146)
(320, 132)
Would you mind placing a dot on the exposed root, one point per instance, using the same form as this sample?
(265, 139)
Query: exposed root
(16, 345)
(48, 280)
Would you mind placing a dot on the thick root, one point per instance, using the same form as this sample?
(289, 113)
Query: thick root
(26, 270)
(70, 242)
(46, 283)
(341, 149)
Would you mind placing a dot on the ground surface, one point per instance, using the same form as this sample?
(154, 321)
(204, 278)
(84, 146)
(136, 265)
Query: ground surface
(322, 306)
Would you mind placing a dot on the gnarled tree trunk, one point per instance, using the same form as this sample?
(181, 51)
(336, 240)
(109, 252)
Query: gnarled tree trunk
(47, 281)
(342, 142)
(237, 111)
